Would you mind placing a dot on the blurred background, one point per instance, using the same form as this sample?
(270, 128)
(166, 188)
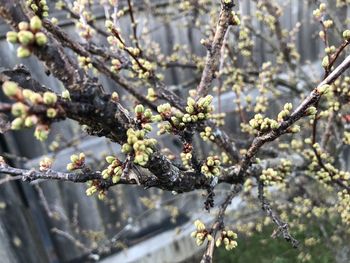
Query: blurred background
(53, 222)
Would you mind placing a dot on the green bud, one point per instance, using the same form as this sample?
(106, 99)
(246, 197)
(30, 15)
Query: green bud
(190, 109)
(295, 129)
(74, 158)
(156, 118)
(109, 24)
(325, 62)
(323, 89)
(115, 179)
(35, 98)
(11, 37)
(18, 109)
(346, 34)
(105, 174)
(51, 113)
(25, 37)
(70, 167)
(27, 93)
(274, 125)
(23, 26)
(110, 159)
(311, 111)
(66, 95)
(40, 38)
(35, 23)
(147, 127)
(10, 88)
(191, 101)
(49, 98)
(17, 124)
(126, 148)
(23, 52)
(288, 107)
(30, 121)
(139, 109)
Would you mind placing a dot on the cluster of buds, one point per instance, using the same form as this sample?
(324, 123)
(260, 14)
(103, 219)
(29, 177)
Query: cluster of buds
(29, 34)
(285, 113)
(318, 13)
(142, 147)
(235, 19)
(77, 162)
(21, 109)
(271, 177)
(343, 206)
(172, 119)
(328, 23)
(45, 164)
(151, 95)
(311, 111)
(262, 124)
(324, 89)
(186, 159)
(228, 238)
(143, 67)
(268, 19)
(211, 167)
(85, 30)
(85, 63)
(144, 116)
(207, 134)
(325, 61)
(95, 186)
(346, 35)
(198, 110)
(346, 138)
(114, 169)
(330, 50)
(201, 233)
(218, 118)
(116, 65)
(245, 42)
(285, 167)
(39, 7)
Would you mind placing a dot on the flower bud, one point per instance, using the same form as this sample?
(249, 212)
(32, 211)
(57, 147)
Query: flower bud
(41, 132)
(30, 121)
(17, 124)
(23, 26)
(325, 62)
(23, 52)
(110, 159)
(323, 89)
(65, 95)
(11, 37)
(35, 23)
(311, 111)
(40, 38)
(115, 179)
(49, 98)
(51, 113)
(18, 109)
(25, 37)
(346, 34)
(139, 109)
(10, 88)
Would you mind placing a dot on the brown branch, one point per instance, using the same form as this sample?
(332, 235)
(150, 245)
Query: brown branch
(213, 54)
(218, 224)
(298, 113)
(282, 226)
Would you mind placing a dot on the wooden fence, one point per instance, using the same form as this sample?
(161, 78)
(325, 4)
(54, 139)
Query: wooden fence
(57, 222)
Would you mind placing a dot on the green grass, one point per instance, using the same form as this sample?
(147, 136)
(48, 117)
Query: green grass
(261, 248)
